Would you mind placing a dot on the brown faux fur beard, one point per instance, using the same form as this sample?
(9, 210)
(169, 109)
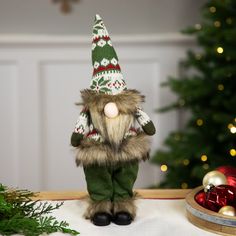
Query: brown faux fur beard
(111, 129)
(115, 149)
(114, 129)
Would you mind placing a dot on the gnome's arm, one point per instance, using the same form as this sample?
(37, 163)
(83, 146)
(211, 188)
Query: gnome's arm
(145, 122)
(81, 127)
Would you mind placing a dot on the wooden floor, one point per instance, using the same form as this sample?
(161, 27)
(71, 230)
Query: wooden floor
(142, 193)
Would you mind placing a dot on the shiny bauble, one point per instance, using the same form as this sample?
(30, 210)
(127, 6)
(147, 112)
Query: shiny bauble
(214, 177)
(227, 210)
(111, 110)
(220, 196)
(200, 198)
(230, 174)
(208, 188)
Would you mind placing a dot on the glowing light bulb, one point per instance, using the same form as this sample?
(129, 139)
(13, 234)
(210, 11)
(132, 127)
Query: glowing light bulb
(212, 9)
(164, 168)
(220, 50)
(232, 152)
(199, 122)
(185, 162)
(217, 23)
(198, 26)
(204, 157)
(233, 130)
(220, 87)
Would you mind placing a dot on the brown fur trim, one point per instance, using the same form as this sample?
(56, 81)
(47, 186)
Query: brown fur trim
(126, 205)
(94, 207)
(126, 101)
(135, 148)
(113, 129)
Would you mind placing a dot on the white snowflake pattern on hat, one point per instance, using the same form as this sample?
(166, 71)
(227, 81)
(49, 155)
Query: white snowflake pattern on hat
(105, 62)
(96, 64)
(114, 61)
(101, 43)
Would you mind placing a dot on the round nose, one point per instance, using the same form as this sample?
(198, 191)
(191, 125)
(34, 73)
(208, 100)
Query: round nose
(111, 110)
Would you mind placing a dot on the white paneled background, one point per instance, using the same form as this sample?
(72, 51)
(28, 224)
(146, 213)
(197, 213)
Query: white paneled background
(40, 80)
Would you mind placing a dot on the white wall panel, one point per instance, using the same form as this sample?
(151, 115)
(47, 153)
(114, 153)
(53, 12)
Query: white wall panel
(60, 86)
(29, 126)
(8, 123)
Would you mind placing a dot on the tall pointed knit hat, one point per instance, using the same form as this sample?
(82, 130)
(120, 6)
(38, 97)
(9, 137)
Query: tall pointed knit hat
(107, 77)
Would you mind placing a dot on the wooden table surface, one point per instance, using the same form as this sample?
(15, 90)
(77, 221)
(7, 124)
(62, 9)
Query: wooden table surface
(142, 193)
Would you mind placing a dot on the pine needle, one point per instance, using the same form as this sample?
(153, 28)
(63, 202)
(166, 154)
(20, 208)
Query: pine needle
(20, 215)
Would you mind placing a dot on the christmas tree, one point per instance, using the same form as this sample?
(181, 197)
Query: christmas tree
(207, 90)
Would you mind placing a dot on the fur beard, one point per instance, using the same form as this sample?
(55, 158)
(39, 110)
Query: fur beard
(115, 149)
(114, 129)
(117, 127)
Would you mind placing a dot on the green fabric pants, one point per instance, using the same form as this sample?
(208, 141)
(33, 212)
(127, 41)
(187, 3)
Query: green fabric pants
(111, 182)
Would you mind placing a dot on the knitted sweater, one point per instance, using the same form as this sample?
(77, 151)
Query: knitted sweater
(84, 127)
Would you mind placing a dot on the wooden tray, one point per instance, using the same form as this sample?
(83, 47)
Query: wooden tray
(207, 219)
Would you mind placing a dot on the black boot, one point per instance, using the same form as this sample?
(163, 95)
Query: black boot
(101, 219)
(122, 218)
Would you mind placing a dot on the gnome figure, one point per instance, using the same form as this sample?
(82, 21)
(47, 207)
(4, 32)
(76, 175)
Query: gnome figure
(109, 147)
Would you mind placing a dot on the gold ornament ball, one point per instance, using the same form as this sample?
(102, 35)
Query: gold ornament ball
(214, 177)
(227, 210)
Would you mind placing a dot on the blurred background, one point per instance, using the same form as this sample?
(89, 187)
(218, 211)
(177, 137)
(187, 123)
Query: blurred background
(45, 61)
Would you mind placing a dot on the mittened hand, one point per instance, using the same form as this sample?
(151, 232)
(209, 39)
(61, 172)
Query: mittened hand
(76, 139)
(145, 122)
(149, 128)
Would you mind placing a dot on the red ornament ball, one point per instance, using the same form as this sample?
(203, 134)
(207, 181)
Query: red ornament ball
(231, 180)
(200, 198)
(220, 196)
(230, 174)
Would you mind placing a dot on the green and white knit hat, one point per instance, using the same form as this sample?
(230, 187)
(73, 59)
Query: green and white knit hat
(107, 77)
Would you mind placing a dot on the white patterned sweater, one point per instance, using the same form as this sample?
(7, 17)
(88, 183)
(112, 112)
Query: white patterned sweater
(85, 127)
